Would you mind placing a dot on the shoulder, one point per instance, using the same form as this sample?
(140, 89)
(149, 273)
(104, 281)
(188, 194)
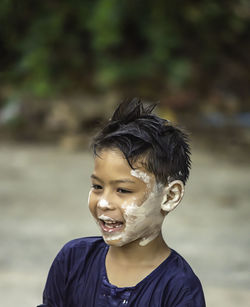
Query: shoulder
(181, 268)
(183, 284)
(77, 254)
(86, 242)
(69, 267)
(81, 247)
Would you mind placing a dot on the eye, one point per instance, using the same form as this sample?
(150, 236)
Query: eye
(96, 187)
(123, 191)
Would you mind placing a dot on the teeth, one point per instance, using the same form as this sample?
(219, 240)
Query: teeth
(109, 222)
(107, 219)
(112, 225)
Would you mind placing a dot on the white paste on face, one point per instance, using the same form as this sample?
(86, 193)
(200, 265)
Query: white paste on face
(140, 175)
(108, 236)
(103, 204)
(112, 237)
(143, 221)
(106, 218)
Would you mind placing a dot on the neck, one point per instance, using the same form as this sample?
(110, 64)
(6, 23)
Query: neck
(134, 253)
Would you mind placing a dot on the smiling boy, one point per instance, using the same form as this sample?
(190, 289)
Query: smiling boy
(141, 165)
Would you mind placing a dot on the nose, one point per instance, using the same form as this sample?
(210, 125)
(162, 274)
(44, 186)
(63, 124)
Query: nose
(105, 202)
(106, 198)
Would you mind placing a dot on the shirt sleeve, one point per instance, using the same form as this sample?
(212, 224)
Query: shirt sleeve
(53, 294)
(192, 299)
(187, 296)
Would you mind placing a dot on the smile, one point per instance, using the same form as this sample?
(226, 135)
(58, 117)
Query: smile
(110, 225)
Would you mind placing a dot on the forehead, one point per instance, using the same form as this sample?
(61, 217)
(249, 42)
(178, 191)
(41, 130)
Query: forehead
(113, 163)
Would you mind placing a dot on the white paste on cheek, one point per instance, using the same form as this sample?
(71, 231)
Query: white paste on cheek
(141, 220)
(144, 221)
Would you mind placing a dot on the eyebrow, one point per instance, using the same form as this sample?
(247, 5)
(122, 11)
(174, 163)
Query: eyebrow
(124, 180)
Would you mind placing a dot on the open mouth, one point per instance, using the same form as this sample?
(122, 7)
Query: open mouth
(110, 225)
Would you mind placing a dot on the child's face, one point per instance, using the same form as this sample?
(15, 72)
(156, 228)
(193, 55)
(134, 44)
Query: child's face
(125, 202)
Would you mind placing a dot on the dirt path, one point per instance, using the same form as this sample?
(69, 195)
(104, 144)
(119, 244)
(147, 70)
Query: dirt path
(43, 203)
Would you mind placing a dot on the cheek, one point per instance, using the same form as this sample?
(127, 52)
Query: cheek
(91, 203)
(139, 200)
(90, 192)
(131, 206)
(128, 202)
(130, 209)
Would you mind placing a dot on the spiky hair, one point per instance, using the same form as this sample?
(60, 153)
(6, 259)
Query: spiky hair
(143, 136)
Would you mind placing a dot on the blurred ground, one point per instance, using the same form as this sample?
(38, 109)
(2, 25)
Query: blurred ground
(43, 203)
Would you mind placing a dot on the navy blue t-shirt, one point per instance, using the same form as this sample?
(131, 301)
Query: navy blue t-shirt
(78, 278)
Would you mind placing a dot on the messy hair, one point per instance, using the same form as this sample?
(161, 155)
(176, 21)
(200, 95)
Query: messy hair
(143, 136)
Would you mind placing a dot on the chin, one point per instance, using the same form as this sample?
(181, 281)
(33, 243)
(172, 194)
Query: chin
(117, 243)
(120, 243)
(113, 241)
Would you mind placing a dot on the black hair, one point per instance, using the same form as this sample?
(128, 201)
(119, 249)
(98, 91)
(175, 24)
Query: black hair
(142, 136)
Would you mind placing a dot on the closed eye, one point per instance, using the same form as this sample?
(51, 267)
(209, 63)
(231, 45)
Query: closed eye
(123, 191)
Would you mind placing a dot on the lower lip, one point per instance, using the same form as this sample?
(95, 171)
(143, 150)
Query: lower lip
(110, 229)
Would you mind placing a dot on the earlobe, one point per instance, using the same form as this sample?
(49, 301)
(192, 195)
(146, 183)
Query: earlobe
(172, 195)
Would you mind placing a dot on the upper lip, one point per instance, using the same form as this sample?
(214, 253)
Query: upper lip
(108, 219)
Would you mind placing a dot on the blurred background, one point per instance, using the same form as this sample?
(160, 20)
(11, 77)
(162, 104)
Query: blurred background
(64, 66)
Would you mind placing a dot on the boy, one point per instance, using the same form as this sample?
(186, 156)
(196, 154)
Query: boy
(141, 165)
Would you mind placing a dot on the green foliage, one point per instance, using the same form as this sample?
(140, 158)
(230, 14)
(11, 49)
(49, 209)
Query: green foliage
(105, 25)
(50, 46)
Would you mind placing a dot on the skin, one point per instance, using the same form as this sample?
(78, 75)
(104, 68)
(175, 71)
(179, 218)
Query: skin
(120, 195)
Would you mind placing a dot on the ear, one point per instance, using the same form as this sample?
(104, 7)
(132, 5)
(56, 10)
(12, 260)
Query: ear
(173, 194)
